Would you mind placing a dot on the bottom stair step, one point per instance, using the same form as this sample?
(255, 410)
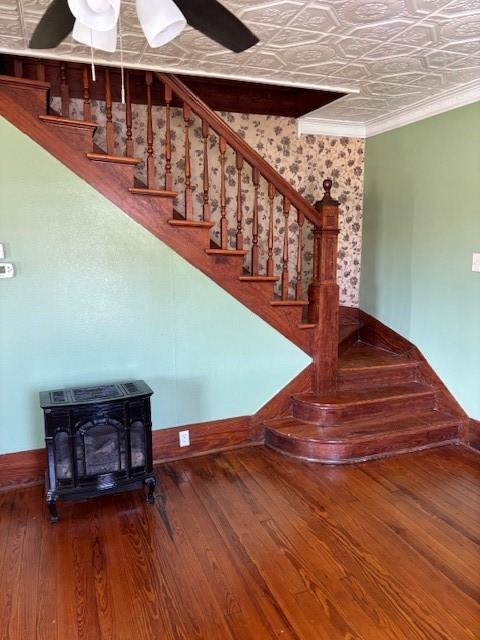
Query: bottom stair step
(359, 440)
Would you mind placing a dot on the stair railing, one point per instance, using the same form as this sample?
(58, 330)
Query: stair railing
(71, 80)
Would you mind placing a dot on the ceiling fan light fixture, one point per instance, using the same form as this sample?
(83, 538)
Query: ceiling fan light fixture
(103, 40)
(161, 21)
(99, 15)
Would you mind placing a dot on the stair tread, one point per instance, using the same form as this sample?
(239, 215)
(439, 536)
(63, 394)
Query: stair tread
(365, 395)
(362, 428)
(81, 124)
(259, 278)
(365, 356)
(226, 252)
(152, 192)
(198, 224)
(105, 157)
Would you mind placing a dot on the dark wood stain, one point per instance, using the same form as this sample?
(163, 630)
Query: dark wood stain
(250, 545)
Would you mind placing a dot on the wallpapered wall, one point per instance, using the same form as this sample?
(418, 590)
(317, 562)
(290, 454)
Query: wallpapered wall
(304, 161)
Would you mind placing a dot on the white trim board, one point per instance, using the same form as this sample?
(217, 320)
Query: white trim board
(420, 111)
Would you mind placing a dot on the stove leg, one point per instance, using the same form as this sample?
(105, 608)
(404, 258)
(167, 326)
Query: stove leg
(52, 507)
(150, 482)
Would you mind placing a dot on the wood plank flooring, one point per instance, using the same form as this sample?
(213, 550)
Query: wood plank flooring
(251, 545)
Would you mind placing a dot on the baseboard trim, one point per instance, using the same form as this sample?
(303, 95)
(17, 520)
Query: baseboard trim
(205, 437)
(27, 468)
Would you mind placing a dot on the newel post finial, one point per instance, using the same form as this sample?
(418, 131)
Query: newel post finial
(327, 187)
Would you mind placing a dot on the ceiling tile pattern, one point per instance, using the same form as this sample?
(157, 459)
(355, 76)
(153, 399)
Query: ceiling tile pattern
(387, 54)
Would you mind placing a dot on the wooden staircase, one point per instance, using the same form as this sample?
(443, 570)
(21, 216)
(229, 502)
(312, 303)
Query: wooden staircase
(371, 392)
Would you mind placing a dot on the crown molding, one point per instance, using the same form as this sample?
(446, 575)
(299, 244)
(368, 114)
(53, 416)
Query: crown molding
(427, 108)
(321, 126)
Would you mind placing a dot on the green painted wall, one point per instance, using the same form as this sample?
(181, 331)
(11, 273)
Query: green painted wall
(421, 226)
(97, 298)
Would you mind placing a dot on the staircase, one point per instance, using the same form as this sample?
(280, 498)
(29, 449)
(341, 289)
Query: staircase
(381, 407)
(371, 393)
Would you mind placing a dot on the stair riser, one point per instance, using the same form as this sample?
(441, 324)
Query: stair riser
(347, 342)
(375, 377)
(78, 139)
(335, 414)
(341, 453)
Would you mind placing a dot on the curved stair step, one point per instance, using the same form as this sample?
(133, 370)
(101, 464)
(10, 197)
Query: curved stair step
(360, 440)
(363, 365)
(333, 408)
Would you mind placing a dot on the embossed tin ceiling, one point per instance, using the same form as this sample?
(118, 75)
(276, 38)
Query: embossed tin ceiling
(393, 53)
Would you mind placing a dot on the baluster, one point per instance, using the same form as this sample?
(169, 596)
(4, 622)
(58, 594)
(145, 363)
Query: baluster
(239, 165)
(206, 179)
(108, 112)
(286, 213)
(187, 118)
(40, 71)
(223, 196)
(128, 117)
(87, 107)
(150, 159)
(168, 140)
(298, 285)
(271, 197)
(64, 91)
(255, 248)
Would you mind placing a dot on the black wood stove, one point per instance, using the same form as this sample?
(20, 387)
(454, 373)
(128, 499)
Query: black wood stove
(98, 440)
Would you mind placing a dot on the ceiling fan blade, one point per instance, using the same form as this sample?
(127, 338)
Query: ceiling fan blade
(217, 23)
(55, 25)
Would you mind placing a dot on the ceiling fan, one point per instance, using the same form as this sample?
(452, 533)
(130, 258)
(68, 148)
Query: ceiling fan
(94, 23)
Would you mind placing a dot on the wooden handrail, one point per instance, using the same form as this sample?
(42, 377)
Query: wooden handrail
(235, 141)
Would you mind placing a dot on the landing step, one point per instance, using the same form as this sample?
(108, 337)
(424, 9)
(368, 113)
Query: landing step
(362, 364)
(226, 252)
(104, 157)
(388, 400)
(195, 224)
(360, 440)
(68, 122)
(158, 193)
(259, 278)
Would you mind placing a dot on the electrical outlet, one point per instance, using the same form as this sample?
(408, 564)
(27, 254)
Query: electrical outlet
(184, 438)
(476, 262)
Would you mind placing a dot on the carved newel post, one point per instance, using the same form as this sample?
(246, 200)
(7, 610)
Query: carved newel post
(323, 294)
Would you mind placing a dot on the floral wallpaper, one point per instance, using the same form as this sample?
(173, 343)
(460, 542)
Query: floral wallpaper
(303, 161)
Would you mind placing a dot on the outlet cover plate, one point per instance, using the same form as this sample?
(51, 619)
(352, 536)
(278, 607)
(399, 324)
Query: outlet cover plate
(476, 262)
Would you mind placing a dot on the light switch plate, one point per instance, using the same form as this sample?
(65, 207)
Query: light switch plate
(2, 251)
(476, 262)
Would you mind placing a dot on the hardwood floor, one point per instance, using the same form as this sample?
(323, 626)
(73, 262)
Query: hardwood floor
(251, 545)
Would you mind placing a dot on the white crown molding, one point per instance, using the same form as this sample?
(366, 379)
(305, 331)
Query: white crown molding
(166, 68)
(420, 111)
(433, 106)
(321, 126)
